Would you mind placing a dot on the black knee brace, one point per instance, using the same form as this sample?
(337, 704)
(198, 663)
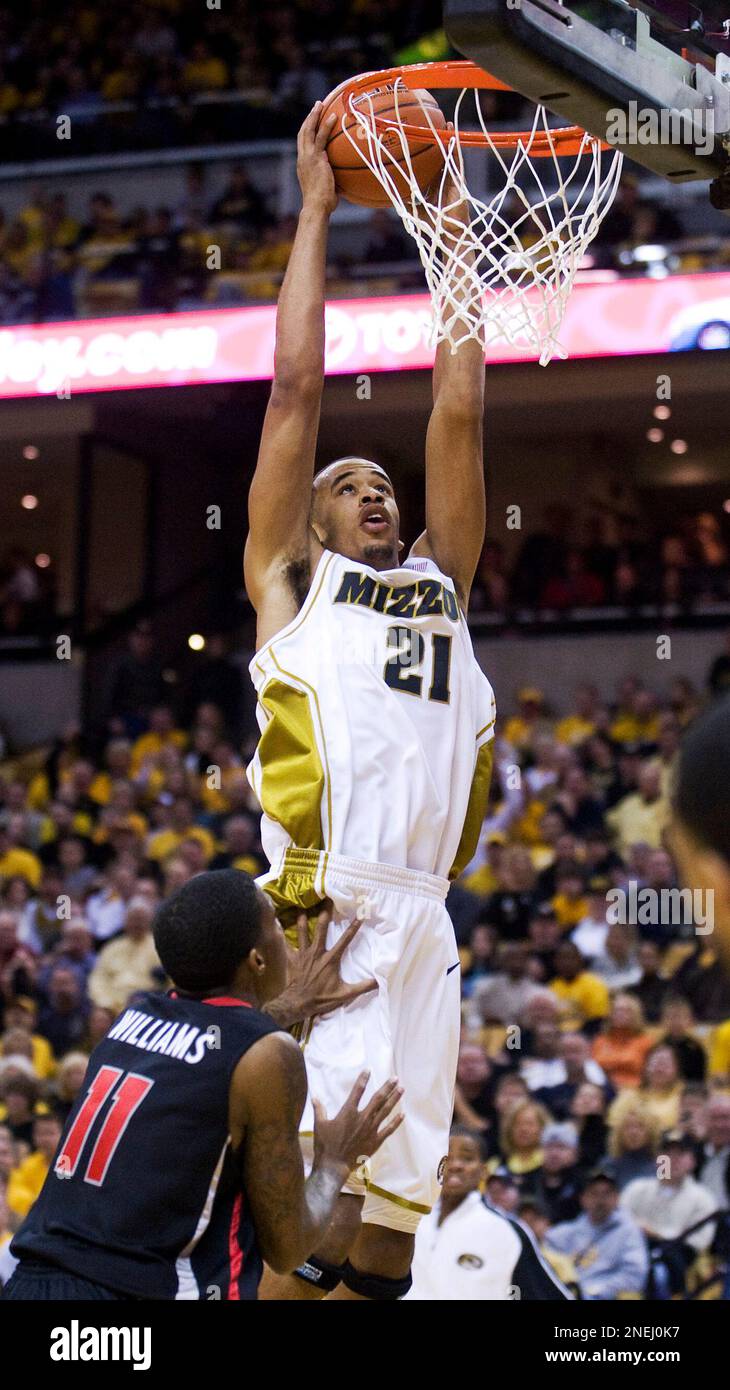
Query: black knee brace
(374, 1286)
(320, 1273)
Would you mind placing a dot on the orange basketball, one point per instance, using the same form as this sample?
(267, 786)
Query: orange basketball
(353, 179)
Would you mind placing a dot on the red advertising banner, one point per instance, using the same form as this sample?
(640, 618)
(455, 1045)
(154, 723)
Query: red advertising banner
(603, 319)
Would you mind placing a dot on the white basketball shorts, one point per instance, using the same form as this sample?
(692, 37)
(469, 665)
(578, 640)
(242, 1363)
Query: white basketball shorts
(408, 1028)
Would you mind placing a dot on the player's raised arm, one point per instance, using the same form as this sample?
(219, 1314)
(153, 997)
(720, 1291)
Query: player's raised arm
(280, 494)
(291, 1215)
(455, 500)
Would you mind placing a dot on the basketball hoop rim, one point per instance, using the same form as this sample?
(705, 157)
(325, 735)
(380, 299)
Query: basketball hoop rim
(453, 73)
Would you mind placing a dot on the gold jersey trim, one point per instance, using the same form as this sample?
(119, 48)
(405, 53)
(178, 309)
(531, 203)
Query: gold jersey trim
(475, 810)
(292, 776)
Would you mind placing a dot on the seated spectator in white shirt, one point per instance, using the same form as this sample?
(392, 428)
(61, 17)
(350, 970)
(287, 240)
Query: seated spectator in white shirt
(618, 965)
(669, 1204)
(105, 911)
(578, 1067)
(465, 1251)
(605, 1243)
(545, 1067)
(592, 930)
(128, 964)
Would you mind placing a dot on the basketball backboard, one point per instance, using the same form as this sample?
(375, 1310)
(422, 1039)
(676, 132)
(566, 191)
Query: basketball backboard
(653, 81)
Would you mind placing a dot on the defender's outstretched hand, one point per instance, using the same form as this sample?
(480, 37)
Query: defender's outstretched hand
(315, 985)
(354, 1134)
(314, 170)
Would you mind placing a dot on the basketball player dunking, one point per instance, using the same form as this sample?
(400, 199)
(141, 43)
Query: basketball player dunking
(374, 760)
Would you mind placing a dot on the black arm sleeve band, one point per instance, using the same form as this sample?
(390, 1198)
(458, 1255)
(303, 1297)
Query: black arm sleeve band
(373, 1286)
(320, 1273)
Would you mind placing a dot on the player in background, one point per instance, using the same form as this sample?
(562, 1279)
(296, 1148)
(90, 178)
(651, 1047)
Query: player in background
(180, 1165)
(375, 753)
(468, 1252)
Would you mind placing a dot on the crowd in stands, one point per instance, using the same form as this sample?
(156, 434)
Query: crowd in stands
(232, 249)
(564, 571)
(203, 251)
(623, 563)
(134, 77)
(595, 1055)
(188, 77)
(595, 1059)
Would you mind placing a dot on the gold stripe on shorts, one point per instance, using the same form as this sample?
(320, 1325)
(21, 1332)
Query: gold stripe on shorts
(399, 1201)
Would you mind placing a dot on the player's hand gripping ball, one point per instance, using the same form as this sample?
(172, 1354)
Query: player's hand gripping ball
(353, 179)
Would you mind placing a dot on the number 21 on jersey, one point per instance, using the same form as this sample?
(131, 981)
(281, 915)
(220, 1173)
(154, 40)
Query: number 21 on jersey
(403, 669)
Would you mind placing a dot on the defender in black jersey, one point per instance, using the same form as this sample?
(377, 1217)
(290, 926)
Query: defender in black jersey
(179, 1166)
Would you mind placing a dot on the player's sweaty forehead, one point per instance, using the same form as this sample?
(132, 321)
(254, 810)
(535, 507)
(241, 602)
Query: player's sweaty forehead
(325, 482)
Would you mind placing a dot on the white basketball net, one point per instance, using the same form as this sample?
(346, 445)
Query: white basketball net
(506, 268)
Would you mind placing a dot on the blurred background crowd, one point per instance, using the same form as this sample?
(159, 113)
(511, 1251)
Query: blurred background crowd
(561, 572)
(595, 1057)
(160, 76)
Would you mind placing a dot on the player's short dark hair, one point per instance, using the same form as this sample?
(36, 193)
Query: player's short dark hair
(463, 1132)
(205, 929)
(702, 780)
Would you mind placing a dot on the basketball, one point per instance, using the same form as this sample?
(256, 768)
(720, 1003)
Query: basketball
(353, 178)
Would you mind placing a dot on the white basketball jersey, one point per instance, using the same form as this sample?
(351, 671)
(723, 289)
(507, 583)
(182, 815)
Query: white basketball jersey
(375, 721)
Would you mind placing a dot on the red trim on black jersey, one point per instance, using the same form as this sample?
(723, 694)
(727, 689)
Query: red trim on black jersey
(235, 1253)
(222, 1001)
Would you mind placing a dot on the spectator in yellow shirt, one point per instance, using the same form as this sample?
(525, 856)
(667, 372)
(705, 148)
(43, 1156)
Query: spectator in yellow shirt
(519, 1138)
(222, 771)
(60, 229)
(660, 1094)
(20, 1017)
(7, 1219)
(162, 734)
(521, 730)
(552, 825)
(643, 816)
(584, 996)
(488, 877)
(125, 81)
(638, 720)
(203, 72)
(265, 265)
(577, 727)
(164, 843)
(118, 760)
(571, 903)
(720, 1053)
(20, 1101)
(16, 860)
(25, 1181)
